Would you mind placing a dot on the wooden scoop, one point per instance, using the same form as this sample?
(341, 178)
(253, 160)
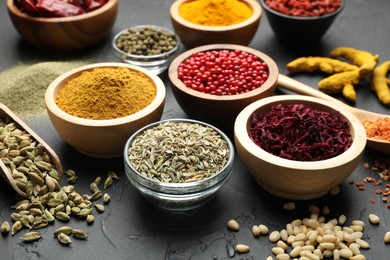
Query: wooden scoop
(5, 113)
(300, 88)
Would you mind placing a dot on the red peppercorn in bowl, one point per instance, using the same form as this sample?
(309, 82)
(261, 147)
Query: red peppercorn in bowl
(298, 147)
(301, 21)
(215, 82)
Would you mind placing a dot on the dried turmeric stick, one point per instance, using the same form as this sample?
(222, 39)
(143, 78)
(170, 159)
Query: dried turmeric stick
(324, 64)
(365, 60)
(336, 83)
(380, 83)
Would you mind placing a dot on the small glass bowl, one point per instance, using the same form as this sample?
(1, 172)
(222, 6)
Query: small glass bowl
(178, 196)
(154, 63)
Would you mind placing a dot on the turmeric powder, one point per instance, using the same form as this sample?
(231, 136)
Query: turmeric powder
(364, 59)
(106, 93)
(215, 12)
(324, 64)
(380, 83)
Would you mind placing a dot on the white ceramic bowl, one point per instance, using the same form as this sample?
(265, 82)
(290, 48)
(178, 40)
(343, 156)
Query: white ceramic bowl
(297, 179)
(178, 196)
(101, 138)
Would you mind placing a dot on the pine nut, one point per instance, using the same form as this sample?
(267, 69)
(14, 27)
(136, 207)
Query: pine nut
(326, 210)
(358, 257)
(346, 253)
(374, 219)
(274, 236)
(255, 231)
(269, 258)
(263, 229)
(387, 237)
(363, 244)
(354, 247)
(289, 206)
(281, 244)
(233, 225)
(241, 248)
(277, 250)
(283, 257)
(342, 219)
(283, 234)
(296, 251)
(358, 222)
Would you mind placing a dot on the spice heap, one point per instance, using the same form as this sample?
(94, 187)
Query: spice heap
(146, 41)
(58, 8)
(45, 201)
(215, 12)
(23, 86)
(300, 133)
(378, 129)
(178, 152)
(223, 72)
(304, 8)
(381, 168)
(106, 93)
(314, 238)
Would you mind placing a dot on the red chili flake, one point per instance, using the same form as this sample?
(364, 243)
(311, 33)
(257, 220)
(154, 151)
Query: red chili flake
(372, 201)
(300, 133)
(223, 72)
(366, 166)
(378, 191)
(304, 8)
(384, 200)
(388, 206)
(351, 182)
(58, 8)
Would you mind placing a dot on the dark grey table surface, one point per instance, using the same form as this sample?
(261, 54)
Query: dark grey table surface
(131, 228)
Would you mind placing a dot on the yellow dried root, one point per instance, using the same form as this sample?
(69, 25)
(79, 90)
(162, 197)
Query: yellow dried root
(380, 83)
(324, 64)
(364, 59)
(341, 82)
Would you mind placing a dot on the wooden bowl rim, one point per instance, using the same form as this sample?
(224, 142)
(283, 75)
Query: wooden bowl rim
(14, 10)
(356, 128)
(52, 90)
(269, 83)
(257, 11)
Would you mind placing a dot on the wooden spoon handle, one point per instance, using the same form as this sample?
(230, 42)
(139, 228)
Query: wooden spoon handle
(300, 88)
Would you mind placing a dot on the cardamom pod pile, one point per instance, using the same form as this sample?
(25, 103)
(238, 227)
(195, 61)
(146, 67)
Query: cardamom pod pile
(46, 200)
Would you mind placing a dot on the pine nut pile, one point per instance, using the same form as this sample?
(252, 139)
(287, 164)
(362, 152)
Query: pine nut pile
(314, 238)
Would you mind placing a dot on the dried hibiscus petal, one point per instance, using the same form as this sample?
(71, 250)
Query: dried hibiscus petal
(300, 133)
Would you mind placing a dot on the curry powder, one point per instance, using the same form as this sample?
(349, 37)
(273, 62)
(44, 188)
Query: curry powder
(215, 12)
(106, 93)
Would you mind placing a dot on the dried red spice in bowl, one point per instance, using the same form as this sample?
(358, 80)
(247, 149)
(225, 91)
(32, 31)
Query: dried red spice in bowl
(295, 179)
(301, 133)
(304, 8)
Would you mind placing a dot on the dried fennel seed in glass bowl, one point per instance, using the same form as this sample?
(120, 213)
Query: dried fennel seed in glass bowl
(178, 164)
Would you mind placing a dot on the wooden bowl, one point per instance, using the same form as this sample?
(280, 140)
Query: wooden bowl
(65, 33)
(194, 35)
(219, 110)
(101, 138)
(297, 179)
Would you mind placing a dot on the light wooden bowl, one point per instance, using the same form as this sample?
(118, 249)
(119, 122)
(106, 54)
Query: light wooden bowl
(219, 110)
(65, 33)
(101, 138)
(296, 179)
(194, 35)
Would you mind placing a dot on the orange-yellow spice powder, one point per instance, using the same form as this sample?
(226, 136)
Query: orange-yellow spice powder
(378, 129)
(215, 12)
(106, 93)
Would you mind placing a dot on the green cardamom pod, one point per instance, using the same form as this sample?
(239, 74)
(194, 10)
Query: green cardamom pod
(67, 230)
(31, 236)
(64, 239)
(79, 234)
(5, 228)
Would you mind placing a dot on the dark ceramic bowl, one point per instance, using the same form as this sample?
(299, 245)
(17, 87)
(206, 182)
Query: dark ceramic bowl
(287, 27)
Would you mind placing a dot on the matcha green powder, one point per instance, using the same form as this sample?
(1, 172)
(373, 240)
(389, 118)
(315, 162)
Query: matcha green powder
(23, 86)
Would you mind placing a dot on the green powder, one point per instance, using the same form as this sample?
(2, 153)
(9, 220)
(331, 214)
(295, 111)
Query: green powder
(23, 86)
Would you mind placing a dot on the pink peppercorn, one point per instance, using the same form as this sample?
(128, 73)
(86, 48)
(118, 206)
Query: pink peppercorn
(223, 72)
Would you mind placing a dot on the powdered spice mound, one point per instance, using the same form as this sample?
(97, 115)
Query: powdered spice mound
(300, 133)
(106, 93)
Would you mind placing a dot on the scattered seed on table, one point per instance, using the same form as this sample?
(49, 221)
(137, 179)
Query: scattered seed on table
(233, 225)
(387, 237)
(374, 219)
(241, 248)
(289, 206)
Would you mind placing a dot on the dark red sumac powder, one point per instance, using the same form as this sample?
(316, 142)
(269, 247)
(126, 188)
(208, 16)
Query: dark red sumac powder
(300, 133)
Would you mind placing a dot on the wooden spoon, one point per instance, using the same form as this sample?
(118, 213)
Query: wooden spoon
(300, 88)
(5, 112)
